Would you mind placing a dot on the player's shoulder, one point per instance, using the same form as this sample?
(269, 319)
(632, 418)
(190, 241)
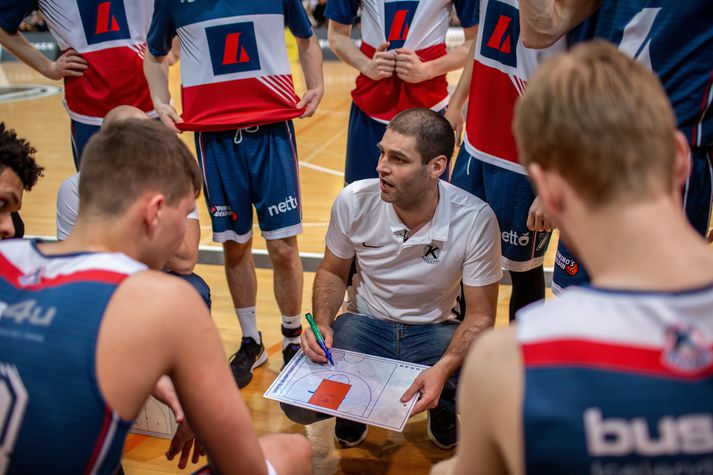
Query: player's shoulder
(494, 359)
(154, 293)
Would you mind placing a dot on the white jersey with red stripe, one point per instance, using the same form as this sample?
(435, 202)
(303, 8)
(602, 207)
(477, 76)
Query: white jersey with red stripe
(618, 380)
(501, 68)
(235, 71)
(420, 26)
(110, 36)
(51, 309)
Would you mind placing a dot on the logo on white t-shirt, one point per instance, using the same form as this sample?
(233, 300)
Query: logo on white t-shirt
(431, 254)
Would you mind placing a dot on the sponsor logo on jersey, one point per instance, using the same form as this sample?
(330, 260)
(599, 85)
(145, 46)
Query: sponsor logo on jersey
(14, 398)
(399, 16)
(690, 434)
(431, 254)
(103, 21)
(511, 237)
(221, 211)
(686, 349)
(233, 48)
(570, 266)
(288, 204)
(28, 311)
(501, 33)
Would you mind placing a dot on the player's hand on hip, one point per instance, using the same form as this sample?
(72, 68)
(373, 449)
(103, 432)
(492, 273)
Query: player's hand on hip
(168, 116)
(311, 347)
(410, 68)
(382, 64)
(183, 441)
(70, 63)
(537, 219)
(310, 101)
(430, 384)
(454, 115)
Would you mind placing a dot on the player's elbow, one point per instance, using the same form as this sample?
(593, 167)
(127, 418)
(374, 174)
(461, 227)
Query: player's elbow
(538, 37)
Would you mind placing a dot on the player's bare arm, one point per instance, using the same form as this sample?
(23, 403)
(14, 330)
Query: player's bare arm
(184, 259)
(481, 306)
(410, 68)
(151, 307)
(489, 401)
(328, 289)
(310, 54)
(454, 112)
(380, 66)
(157, 78)
(70, 63)
(545, 21)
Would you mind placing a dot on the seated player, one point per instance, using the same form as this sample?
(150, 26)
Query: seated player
(414, 237)
(617, 377)
(18, 171)
(88, 325)
(182, 263)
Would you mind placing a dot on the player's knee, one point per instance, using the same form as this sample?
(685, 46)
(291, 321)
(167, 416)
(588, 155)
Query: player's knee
(284, 253)
(302, 451)
(234, 251)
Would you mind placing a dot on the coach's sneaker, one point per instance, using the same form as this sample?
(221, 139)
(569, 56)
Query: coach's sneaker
(349, 433)
(250, 355)
(442, 428)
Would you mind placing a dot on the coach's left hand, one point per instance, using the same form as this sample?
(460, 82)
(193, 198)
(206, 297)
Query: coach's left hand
(310, 101)
(430, 384)
(410, 68)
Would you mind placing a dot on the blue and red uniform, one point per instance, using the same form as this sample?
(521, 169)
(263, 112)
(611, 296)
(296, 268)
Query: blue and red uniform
(53, 416)
(618, 382)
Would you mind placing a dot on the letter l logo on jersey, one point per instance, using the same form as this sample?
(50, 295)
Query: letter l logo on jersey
(233, 48)
(398, 16)
(501, 33)
(103, 21)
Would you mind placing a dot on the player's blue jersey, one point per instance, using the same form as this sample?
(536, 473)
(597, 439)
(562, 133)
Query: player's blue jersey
(675, 39)
(618, 382)
(53, 417)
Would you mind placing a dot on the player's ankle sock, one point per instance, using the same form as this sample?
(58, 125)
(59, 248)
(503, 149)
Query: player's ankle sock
(527, 287)
(248, 322)
(290, 323)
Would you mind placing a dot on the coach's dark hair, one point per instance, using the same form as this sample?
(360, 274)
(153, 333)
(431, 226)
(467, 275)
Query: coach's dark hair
(17, 153)
(132, 157)
(434, 134)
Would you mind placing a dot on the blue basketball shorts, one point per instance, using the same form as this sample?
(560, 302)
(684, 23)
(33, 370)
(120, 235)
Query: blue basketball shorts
(510, 195)
(80, 135)
(362, 155)
(697, 196)
(246, 167)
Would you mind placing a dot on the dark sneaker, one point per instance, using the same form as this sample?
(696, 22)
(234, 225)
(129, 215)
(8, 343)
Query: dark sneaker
(289, 351)
(249, 356)
(349, 433)
(442, 428)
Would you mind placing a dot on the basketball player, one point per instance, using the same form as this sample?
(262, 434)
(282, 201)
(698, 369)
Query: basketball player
(88, 327)
(675, 40)
(238, 96)
(402, 64)
(18, 171)
(102, 47)
(488, 165)
(616, 378)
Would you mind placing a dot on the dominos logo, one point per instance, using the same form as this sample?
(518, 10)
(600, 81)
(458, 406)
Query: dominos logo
(103, 20)
(501, 33)
(233, 48)
(399, 16)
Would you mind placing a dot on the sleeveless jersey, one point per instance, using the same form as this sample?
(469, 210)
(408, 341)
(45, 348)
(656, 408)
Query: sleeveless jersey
(618, 382)
(675, 39)
(420, 26)
(501, 68)
(110, 35)
(53, 417)
(235, 71)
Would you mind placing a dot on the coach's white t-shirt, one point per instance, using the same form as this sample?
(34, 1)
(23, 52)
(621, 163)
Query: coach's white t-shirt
(418, 279)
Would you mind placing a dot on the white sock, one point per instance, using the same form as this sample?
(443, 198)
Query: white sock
(248, 322)
(290, 322)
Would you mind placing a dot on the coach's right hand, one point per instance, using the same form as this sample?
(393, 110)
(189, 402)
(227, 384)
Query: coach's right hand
(382, 64)
(168, 116)
(309, 344)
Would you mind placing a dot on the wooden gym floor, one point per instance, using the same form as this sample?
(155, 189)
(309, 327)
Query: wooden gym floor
(321, 144)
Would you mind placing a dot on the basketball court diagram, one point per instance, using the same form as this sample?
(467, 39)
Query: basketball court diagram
(155, 420)
(358, 387)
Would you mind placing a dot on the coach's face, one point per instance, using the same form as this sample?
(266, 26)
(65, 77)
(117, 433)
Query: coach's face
(402, 175)
(10, 200)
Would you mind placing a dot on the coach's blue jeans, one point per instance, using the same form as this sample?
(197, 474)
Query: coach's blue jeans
(422, 344)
